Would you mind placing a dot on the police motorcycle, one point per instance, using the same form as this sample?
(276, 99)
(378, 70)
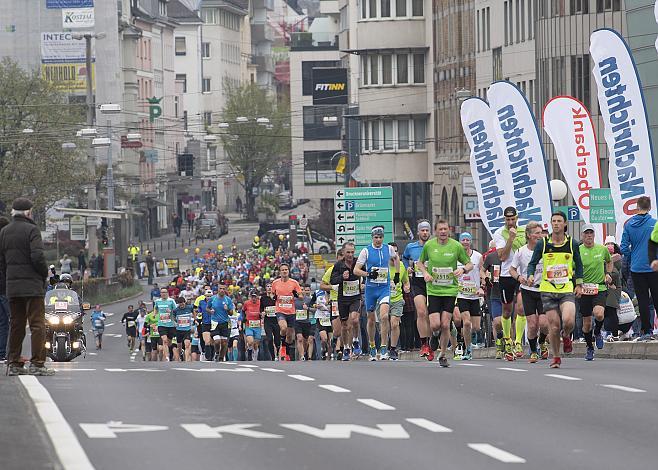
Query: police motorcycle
(65, 338)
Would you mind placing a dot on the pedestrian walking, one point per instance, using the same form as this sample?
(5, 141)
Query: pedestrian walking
(65, 264)
(92, 266)
(23, 264)
(100, 265)
(82, 263)
(4, 305)
(238, 204)
(190, 220)
(150, 266)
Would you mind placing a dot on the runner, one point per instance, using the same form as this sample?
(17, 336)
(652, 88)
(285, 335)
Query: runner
(490, 281)
(129, 320)
(271, 326)
(391, 323)
(303, 326)
(509, 238)
(183, 317)
(441, 273)
(468, 299)
(141, 318)
(253, 325)
(220, 308)
(285, 291)
(561, 263)
(336, 324)
(164, 306)
(323, 317)
(373, 264)
(204, 308)
(530, 295)
(597, 266)
(234, 338)
(98, 325)
(349, 297)
(418, 286)
(154, 344)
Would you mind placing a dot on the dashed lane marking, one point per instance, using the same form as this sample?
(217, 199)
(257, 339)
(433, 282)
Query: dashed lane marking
(496, 453)
(623, 388)
(512, 369)
(270, 369)
(249, 365)
(428, 425)
(303, 378)
(334, 388)
(563, 377)
(472, 364)
(72, 369)
(376, 404)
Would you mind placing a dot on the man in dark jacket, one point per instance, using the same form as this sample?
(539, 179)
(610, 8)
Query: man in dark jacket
(4, 306)
(150, 265)
(24, 267)
(82, 263)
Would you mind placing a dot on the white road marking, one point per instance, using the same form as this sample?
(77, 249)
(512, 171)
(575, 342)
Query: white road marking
(512, 369)
(211, 370)
(562, 377)
(203, 431)
(93, 354)
(471, 364)
(344, 431)
(249, 365)
(71, 454)
(428, 425)
(66, 369)
(334, 388)
(115, 370)
(109, 324)
(112, 335)
(110, 429)
(376, 404)
(303, 378)
(496, 453)
(270, 369)
(623, 388)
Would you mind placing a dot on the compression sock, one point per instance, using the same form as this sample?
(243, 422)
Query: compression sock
(208, 352)
(423, 341)
(588, 339)
(507, 327)
(371, 344)
(520, 328)
(542, 338)
(597, 327)
(533, 344)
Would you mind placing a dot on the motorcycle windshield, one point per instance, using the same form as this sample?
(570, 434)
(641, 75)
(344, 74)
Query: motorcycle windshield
(62, 300)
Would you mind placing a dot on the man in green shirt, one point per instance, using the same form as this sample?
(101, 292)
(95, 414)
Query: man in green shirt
(336, 326)
(441, 274)
(597, 264)
(151, 322)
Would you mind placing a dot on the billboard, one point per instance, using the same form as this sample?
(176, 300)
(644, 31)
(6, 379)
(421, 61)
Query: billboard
(60, 47)
(66, 76)
(329, 86)
(69, 3)
(78, 18)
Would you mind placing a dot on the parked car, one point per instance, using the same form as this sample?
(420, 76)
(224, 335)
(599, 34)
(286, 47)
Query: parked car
(285, 200)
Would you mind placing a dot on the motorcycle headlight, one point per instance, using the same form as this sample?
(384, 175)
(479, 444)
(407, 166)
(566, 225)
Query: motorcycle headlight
(68, 319)
(53, 320)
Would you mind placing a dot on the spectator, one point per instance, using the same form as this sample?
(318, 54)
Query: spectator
(92, 266)
(82, 263)
(100, 265)
(634, 246)
(4, 306)
(150, 266)
(238, 204)
(65, 264)
(23, 264)
(190, 220)
(178, 222)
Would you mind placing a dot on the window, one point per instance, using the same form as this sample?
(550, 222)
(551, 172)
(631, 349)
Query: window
(419, 68)
(400, 8)
(185, 120)
(162, 7)
(403, 134)
(419, 133)
(579, 6)
(373, 8)
(558, 76)
(387, 69)
(176, 105)
(180, 46)
(307, 73)
(497, 62)
(364, 9)
(364, 72)
(478, 31)
(416, 7)
(510, 19)
(205, 50)
(580, 78)
(385, 11)
(388, 134)
(522, 17)
(181, 77)
(207, 118)
(488, 36)
(608, 5)
(375, 135)
(205, 85)
(366, 137)
(400, 135)
(518, 31)
(316, 127)
(531, 18)
(402, 68)
(506, 25)
(374, 69)
(320, 169)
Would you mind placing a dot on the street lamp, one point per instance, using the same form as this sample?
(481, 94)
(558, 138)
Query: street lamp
(87, 132)
(263, 121)
(558, 190)
(110, 109)
(101, 142)
(241, 119)
(68, 146)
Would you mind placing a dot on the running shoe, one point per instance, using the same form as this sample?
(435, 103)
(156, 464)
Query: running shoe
(303, 358)
(286, 358)
(434, 343)
(356, 349)
(457, 356)
(339, 355)
(599, 341)
(430, 356)
(499, 354)
(468, 355)
(40, 370)
(555, 363)
(282, 351)
(567, 344)
(543, 349)
(589, 355)
(443, 361)
(16, 370)
(424, 350)
(518, 350)
(373, 354)
(346, 355)
(499, 348)
(534, 357)
(383, 353)
(509, 353)
(394, 355)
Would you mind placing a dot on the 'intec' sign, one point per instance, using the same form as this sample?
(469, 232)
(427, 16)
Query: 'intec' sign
(329, 86)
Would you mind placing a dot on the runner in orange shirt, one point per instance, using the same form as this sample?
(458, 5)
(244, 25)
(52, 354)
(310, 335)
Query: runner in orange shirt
(285, 290)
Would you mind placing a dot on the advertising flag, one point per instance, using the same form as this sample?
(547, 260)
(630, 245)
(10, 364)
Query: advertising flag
(523, 152)
(631, 168)
(569, 125)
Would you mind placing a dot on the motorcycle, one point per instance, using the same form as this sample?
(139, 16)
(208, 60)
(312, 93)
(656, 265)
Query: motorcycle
(65, 338)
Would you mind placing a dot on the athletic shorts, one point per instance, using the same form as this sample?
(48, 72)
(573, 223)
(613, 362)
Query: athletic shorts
(206, 328)
(156, 341)
(588, 302)
(304, 328)
(418, 286)
(233, 339)
(395, 309)
(508, 289)
(195, 349)
(221, 331)
(182, 335)
(531, 302)
(326, 329)
(344, 309)
(375, 296)
(438, 304)
(495, 308)
(256, 333)
(131, 331)
(168, 331)
(290, 319)
(471, 306)
(553, 301)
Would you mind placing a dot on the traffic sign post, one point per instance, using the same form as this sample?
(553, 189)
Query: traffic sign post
(601, 206)
(357, 210)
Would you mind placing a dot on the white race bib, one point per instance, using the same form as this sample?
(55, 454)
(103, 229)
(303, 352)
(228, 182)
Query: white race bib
(131, 323)
(165, 317)
(301, 314)
(468, 288)
(213, 324)
(590, 289)
(325, 321)
(350, 288)
(254, 323)
(558, 274)
(334, 308)
(382, 276)
(442, 276)
(184, 322)
(417, 271)
(496, 273)
(285, 301)
(270, 311)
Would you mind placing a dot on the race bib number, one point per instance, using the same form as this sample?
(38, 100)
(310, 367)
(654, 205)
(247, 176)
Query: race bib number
(131, 324)
(184, 322)
(382, 276)
(558, 274)
(350, 288)
(590, 289)
(496, 273)
(270, 311)
(468, 288)
(285, 301)
(442, 276)
(325, 321)
(213, 324)
(417, 271)
(301, 314)
(334, 309)
(165, 317)
(98, 323)
(254, 323)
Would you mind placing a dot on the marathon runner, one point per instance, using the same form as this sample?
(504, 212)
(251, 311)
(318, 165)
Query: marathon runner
(98, 325)
(530, 295)
(490, 281)
(597, 269)
(141, 318)
(183, 316)
(129, 320)
(164, 306)
(285, 291)
(253, 325)
(561, 264)
(336, 324)
(203, 305)
(441, 273)
(391, 323)
(303, 327)
(372, 264)
(153, 342)
(468, 298)
(323, 318)
(348, 286)
(221, 307)
(234, 338)
(418, 287)
(271, 326)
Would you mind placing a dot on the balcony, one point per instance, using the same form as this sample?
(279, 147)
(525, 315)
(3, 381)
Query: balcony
(329, 7)
(261, 32)
(264, 63)
(307, 41)
(264, 4)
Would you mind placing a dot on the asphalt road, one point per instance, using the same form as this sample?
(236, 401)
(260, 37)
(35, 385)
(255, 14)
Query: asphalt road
(111, 410)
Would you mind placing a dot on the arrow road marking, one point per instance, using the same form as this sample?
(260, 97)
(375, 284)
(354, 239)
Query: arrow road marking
(376, 404)
(496, 453)
(428, 425)
(203, 431)
(623, 388)
(344, 431)
(110, 429)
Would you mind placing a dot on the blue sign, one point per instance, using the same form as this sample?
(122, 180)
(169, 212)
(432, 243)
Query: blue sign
(572, 212)
(69, 3)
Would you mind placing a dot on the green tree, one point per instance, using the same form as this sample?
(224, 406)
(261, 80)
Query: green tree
(34, 164)
(254, 149)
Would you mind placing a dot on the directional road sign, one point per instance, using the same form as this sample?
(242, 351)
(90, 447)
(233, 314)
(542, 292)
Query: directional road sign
(357, 210)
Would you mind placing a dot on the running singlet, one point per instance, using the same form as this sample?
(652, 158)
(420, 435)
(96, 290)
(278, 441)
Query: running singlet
(469, 283)
(285, 300)
(183, 318)
(411, 255)
(441, 263)
(151, 320)
(372, 258)
(164, 308)
(594, 261)
(252, 313)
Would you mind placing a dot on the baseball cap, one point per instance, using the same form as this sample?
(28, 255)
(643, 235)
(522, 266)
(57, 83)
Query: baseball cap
(510, 211)
(587, 227)
(610, 239)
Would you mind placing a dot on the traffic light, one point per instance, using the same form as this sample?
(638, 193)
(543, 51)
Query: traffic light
(104, 232)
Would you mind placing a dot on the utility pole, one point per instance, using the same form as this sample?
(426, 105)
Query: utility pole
(91, 158)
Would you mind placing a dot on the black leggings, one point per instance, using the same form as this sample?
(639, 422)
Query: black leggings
(272, 331)
(611, 322)
(408, 331)
(645, 283)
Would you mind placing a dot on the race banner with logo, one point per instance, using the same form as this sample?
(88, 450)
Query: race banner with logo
(489, 168)
(631, 171)
(523, 153)
(569, 125)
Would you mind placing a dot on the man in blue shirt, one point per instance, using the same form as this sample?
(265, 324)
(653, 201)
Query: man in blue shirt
(221, 307)
(155, 292)
(164, 308)
(183, 317)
